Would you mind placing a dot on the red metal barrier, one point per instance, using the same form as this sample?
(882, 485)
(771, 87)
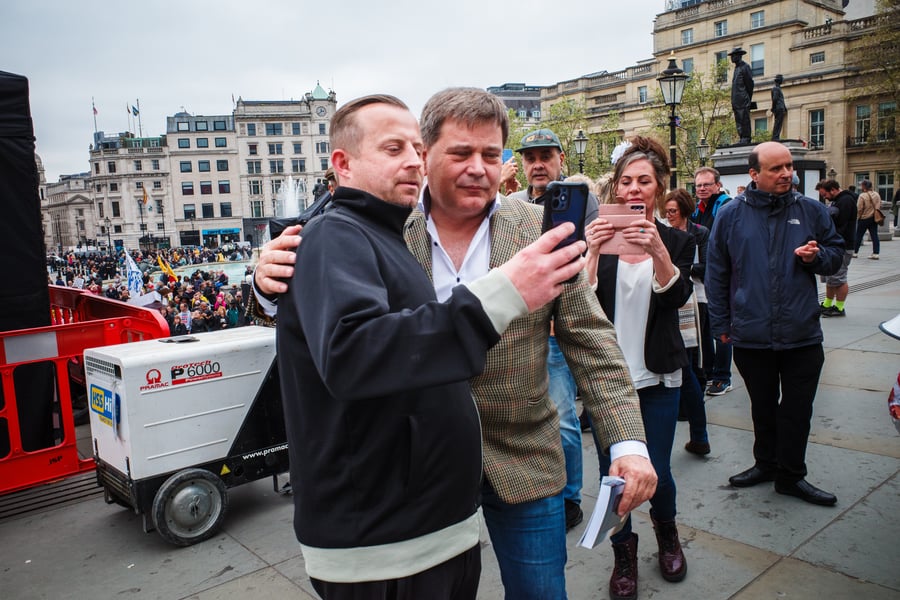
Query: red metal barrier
(80, 320)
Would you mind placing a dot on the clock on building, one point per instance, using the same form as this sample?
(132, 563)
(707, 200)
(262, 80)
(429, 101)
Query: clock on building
(321, 111)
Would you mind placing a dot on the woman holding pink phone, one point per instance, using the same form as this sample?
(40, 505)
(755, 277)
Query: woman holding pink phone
(641, 291)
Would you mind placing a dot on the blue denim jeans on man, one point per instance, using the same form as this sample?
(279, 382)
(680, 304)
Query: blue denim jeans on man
(529, 540)
(562, 391)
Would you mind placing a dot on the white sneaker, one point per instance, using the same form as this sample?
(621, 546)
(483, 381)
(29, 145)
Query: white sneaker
(874, 257)
(855, 255)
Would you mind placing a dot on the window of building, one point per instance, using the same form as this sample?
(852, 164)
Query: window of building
(185, 166)
(757, 19)
(114, 187)
(143, 227)
(206, 211)
(203, 142)
(221, 143)
(154, 143)
(298, 165)
(202, 126)
(183, 126)
(720, 28)
(256, 209)
(642, 94)
(154, 164)
(79, 212)
(887, 112)
(817, 129)
(298, 148)
(761, 125)
(251, 128)
(276, 166)
(157, 185)
(99, 187)
(816, 58)
(138, 185)
(138, 166)
(117, 229)
(758, 59)
(884, 184)
(114, 206)
(221, 165)
(252, 149)
(190, 212)
(323, 163)
(254, 166)
(276, 186)
(111, 166)
(295, 128)
(187, 188)
(321, 128)
(255, 187)
(100, 211)
(721, 70)
(160, 226)
(184, 143)
(275, 148)
(224, 187)
(322, 148)
(863, 123)
(687, 37)
(203, 166)
(274, 129)
(536, 114)
(159, 206)
(206, 188)
(219, 125)
(225, 209)
(97, 168)
(688, 65)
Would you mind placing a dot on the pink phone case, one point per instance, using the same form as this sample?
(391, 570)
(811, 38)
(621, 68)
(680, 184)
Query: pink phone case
(621, 216)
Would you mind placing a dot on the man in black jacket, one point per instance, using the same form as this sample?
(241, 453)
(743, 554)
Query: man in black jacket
(842, 209)
(384, 436)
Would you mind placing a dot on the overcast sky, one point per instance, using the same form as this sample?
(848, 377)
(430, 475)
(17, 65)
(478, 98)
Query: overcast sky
(196, 54)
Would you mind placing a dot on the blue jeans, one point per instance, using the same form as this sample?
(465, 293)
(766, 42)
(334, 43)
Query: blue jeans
(862, 226)
(722, 362)
(692, 399)
(562, 391)
(659, 411)
(529, 541)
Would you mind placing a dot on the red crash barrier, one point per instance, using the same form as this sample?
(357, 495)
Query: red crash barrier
(41, 374)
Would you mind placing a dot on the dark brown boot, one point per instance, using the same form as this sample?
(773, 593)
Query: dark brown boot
(623, 583)
(671, 558)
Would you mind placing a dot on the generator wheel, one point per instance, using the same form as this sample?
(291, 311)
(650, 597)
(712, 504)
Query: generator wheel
(189, 507)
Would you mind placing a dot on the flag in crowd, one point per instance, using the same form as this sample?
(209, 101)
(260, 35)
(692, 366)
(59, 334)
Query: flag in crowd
(166, 267)
(135, 278)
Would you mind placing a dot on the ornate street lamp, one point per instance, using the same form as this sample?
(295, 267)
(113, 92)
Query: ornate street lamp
(106, 222)
(702, 151)
(581, 141)
(671, 83)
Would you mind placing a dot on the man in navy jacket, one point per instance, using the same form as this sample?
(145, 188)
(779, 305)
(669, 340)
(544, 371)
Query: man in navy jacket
(764, 252)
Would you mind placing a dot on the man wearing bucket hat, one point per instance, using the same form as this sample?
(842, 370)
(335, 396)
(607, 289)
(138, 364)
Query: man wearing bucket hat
(543, 159)
(741, 93)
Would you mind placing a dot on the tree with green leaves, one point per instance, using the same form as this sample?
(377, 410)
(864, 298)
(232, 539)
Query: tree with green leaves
(704, 113)
(875, 56)
(566, 118)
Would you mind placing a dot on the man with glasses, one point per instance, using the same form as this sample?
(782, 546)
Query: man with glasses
(710, 198)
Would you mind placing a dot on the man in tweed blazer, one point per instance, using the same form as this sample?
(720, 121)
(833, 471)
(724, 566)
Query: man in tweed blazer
(464, 224)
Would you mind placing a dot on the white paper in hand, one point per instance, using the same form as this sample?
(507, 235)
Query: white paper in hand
(604, 519)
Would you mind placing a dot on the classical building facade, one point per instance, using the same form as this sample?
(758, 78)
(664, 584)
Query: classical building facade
(209, 180)
(524, 99)
(131, 190)
(806, 41)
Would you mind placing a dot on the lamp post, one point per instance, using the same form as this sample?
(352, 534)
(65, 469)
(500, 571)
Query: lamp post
(702, 151)
(192, 226)
(140, 205)
(106, 222)
(671, 83)
(581, 141)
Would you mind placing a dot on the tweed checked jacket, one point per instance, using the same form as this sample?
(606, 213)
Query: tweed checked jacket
(523, 457)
